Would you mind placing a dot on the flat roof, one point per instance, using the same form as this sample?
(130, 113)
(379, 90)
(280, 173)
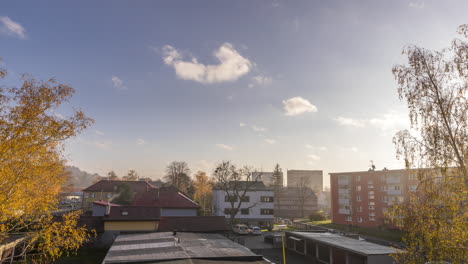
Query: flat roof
(163, 246)
(357, 246)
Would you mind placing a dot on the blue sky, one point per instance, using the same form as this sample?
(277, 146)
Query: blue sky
(307, 84)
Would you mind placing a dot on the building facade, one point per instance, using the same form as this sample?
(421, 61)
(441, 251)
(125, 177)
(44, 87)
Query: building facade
(311, 178)
(266, 177)
(257, 206)
(293, 202)
(362, 198)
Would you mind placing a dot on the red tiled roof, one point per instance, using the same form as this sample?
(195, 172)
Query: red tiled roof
(105, 203)
(133, 213)
(192, 223)
(165, 197)
(110, 186)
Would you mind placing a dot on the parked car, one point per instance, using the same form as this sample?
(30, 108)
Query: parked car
(241, 229)
(255, 230)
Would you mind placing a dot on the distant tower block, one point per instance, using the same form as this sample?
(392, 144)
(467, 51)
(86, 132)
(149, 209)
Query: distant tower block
(311, 178)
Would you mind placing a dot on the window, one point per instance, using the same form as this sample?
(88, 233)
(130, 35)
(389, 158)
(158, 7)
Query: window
(359, 219)
(245, 211)
(397, 187)
(358, 188)
(349, 218)
(371, 197)
(358, 178)
(372, 218)
(359, 209)
(86, 195)
(384, 198)
(400, 199)
(109, 195)
(411, 177)
(266, 211)
(371, 214)
(230, 198)
(93, 195)
(343, 196)
(412, 188)
(371, 205)
(358, 198)
(383, 187)
(370, 182)
(343, 206)
(245, 199)
(228, 211)
(124, 213)
(266, 199)
(371, 194)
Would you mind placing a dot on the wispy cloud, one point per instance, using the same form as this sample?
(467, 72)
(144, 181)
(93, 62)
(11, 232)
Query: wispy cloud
(118, 83)
(322, 148)
(258, 129)
(297, 106)
(388, 122)
(100, 133)
(231, 65)
(261, 80)
(346, 121)
(270, 141)
(12, 28)
(224, 146)
(242, 124)
(419, 4)
(314, 157)
(140, 142)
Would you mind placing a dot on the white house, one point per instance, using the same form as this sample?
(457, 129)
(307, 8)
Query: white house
(256, 207)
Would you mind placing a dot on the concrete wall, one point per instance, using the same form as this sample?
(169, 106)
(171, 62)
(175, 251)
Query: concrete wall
(178, 212)
(131, 225)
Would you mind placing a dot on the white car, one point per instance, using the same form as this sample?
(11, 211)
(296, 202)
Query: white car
(255, 230)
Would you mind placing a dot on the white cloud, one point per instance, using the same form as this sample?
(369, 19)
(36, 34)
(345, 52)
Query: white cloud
(242, 124)
(140, 142)
(346, 121)
(118, 83)
(313, 157)
(298, 105)
(390, 121)
(257, 128)
(417, 4)
(100, 133)
(270, 141)
(261, 80)
(354, 149)
(231, 67)
(323, 148)
(12, 28)
(224, 146)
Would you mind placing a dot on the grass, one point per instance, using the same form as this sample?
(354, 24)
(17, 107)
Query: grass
(85, 256)
(389, 235)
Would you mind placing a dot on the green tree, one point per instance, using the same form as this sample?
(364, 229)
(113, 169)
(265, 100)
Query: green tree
(434, 84)
(278, 187)
(112, 176)
(125, 194)
(132, 175)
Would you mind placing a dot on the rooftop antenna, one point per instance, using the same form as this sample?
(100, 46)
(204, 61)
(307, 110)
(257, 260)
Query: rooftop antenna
(372, 167)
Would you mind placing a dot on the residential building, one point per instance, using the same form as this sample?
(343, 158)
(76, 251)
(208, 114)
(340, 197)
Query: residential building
(333, 248)
(257, 205)
(309, 178)
(293, 202)
(106, 190)
(361, 198)
(169, 199)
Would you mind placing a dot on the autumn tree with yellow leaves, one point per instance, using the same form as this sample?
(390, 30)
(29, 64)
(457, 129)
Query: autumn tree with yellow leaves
(203, 189)
(435, 217)
(32, 166)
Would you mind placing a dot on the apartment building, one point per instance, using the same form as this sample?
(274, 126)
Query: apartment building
(257, 206)
(294, 202)
(362, 198)
(310, 178)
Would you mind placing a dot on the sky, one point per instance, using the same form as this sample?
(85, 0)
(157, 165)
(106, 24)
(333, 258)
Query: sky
(306, 84)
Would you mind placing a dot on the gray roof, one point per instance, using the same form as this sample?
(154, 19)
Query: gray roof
(163, 246)
(357, 246)
(241, 185)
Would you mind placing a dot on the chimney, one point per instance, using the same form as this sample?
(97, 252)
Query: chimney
(108, 208)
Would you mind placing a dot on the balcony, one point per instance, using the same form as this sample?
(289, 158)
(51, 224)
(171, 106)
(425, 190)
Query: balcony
(343, 201)
(343, 181)
(394, 192)
(343, 190)
(344, 211)
(393, 180)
